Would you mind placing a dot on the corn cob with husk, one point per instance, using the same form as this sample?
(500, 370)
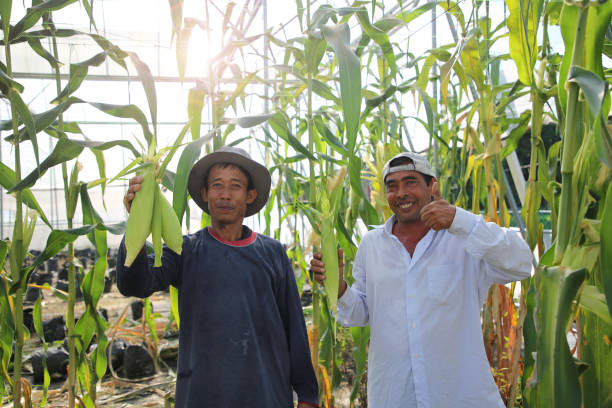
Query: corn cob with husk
(151, 214)
(329, 243)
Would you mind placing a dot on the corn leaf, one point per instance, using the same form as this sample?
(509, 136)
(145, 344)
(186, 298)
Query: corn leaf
(523, 27)
(33, 14)
(56, 241)
(554, 381)
(78, 72)
(606, 248)
(40, 50)
(338, 37)
(26, 117)
(598, 20)
(176, 11)
(280, 124)
(148, 83)
(595, 91)
(7, 180)
(189, 156)
(195, 103)
(64, 150)
(5, 15)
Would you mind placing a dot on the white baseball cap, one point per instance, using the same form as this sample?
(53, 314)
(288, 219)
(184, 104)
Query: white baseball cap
(419, 163)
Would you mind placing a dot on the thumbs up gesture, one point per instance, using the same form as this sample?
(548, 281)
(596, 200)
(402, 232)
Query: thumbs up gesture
(438, 214)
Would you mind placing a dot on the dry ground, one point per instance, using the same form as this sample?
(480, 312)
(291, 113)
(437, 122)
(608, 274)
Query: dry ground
(122, 393)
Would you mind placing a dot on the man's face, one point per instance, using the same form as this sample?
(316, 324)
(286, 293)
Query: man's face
(407, 193)
(227, 195)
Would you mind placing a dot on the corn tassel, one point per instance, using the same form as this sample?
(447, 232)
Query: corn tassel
(156, 227)
(171, 227)
(141, 213)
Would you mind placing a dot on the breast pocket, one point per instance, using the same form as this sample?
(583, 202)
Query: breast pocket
(443, 282)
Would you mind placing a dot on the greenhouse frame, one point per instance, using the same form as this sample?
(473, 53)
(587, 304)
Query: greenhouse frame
(508, 100)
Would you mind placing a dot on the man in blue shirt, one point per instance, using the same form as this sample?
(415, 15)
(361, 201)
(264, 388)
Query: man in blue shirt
(242, 338)
(420, 281)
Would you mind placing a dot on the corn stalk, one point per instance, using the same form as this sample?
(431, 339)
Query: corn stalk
(17, 251)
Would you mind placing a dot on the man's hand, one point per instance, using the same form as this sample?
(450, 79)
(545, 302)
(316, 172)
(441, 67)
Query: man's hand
(134, 186)
(305, 405)
(438, 214)
(317, 267)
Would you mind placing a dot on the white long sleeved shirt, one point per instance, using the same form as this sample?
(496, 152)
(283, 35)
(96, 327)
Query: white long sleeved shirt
(426, 345)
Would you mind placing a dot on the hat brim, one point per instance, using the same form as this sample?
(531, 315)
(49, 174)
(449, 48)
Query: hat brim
(260, 176)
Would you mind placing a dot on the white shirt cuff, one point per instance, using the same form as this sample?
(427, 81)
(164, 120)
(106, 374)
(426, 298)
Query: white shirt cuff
(463, 223)
(348, 297)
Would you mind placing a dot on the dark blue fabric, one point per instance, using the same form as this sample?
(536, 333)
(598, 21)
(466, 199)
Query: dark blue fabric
(242, 341)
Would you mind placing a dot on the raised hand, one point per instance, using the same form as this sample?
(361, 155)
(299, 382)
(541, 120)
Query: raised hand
(317, 267)
(438, 214)
(134, 187)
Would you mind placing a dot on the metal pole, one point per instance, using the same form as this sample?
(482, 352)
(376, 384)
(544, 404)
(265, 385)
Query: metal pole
(434, 45)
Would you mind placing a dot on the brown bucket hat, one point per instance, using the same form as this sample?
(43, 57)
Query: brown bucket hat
(260, 176)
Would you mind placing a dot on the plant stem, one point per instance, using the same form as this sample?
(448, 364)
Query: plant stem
(69, 259)
(571, 139)
(17, 252)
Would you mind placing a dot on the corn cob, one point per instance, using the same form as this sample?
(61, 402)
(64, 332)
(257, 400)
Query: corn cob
(329, 250)
(156, 227)
(171, 227)
(141, 213)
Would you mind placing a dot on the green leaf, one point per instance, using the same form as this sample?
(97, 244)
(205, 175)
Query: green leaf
(594, 301)
(182, 45)
(195, 103)
(523, 27)
(338, 37)
(26, 117)
(189, 156)
(380, 37)
(40, 50)
(148, 83)
(64, 150)
(598, 20)
(7, 83)
(56, 242)
(595, 91)
(100, 146)
(173, 150)
(7, 180)
(33, 14)
(126, 111)
(554, 381)
(253, 120)
(78, 72)
(328, 136)
(176, 11)
(314, 49)
(606, 248)
(37, 318)
(5, 15)
(280, 124)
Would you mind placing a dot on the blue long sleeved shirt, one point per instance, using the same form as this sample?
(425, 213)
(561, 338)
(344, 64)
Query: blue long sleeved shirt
(242, 338)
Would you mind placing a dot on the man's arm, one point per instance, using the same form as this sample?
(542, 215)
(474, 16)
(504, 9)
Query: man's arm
(504, 251)
(141, 279)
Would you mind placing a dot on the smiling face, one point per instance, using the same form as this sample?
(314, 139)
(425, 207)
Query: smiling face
(227, 194)
(407, 193)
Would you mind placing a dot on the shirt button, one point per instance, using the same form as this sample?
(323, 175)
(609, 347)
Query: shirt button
(413, 325)
(416, 356)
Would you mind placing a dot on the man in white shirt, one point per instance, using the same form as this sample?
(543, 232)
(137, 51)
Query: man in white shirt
(420, 281)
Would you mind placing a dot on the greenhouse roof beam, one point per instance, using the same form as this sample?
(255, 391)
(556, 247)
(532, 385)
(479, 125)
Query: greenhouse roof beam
(129, 78)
